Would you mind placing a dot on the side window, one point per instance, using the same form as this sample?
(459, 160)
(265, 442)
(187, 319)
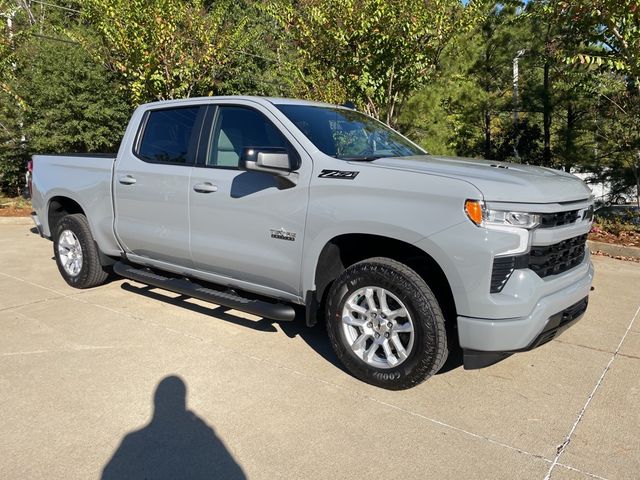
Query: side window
(170, 135)
(237, 128)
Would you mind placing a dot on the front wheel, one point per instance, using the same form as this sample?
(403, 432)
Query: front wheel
(385, 324)
(76, 253)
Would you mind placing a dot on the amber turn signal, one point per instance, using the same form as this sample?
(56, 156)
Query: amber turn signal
(473, 209)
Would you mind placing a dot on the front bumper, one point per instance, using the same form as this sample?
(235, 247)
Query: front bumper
(558, 323)
(501, 337)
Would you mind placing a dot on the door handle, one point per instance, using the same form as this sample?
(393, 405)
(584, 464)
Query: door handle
(127, 180)
(206, 187)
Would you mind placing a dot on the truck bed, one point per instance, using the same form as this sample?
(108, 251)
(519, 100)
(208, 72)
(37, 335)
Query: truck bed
(86, 179)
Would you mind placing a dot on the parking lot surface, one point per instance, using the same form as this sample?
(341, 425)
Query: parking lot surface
(124, 381)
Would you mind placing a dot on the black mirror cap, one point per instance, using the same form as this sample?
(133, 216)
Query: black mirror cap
(268, 159)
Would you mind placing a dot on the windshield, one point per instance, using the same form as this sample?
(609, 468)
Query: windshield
(348, 134)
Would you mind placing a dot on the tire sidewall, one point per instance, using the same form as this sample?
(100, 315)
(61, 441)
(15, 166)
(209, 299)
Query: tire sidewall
(412, 370)
(72, 223)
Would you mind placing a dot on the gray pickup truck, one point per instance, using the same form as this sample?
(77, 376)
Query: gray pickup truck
(265, 204)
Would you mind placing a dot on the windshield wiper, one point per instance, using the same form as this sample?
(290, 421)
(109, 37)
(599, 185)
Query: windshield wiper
(361, 158)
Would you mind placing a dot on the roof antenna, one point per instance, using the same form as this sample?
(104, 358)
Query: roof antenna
(349, 104)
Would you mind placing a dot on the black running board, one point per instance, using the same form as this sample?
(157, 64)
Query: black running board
(274, 311)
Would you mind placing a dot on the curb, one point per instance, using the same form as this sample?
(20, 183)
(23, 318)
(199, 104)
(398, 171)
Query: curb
(16, 221)
(614, 250)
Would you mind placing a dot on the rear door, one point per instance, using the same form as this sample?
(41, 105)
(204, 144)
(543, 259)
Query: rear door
(152, 185)
(244, 225)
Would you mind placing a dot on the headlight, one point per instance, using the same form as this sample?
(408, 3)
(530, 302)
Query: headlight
(515, 219)
(482, 216)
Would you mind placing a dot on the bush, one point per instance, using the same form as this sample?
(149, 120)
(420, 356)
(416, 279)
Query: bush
(12, 171)
(12, 177)
(628, 221)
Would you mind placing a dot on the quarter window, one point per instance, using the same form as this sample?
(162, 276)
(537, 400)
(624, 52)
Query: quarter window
(170, 135)
(238, 128)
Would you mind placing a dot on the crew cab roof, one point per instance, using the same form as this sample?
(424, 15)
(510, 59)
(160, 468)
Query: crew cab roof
(258, 99)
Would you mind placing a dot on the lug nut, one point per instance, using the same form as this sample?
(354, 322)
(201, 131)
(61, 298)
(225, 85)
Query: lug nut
(377, 334)
(390, 325)
(370, 324)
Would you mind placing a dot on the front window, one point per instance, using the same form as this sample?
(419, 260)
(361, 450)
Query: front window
(238, 128)
(347, 134)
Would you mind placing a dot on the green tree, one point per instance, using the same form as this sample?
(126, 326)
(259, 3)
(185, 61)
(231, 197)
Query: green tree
(614, 24)
(429, 117)
(72, 103)
(613, 27)
(13, 156)
(54, 97)
(497, 39)
(380, 51)
(468, 109)
(164, 49)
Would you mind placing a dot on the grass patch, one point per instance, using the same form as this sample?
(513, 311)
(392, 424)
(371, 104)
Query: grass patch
(14, 206)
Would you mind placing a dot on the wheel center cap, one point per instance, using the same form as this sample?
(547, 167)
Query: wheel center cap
(379, 324)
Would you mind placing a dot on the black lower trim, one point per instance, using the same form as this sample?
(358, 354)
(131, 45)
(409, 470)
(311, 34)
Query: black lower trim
(275, 311)
(558, 323)
(476, 359)
(34, 215)
(312, 308)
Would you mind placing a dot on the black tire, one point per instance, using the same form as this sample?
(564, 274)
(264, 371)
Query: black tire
(429, 351)
(91, 273)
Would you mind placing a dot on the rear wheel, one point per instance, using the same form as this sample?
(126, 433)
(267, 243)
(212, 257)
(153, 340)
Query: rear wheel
(76, 253)
(386, 325)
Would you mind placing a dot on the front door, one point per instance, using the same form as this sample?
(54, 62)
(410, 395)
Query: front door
(243, 225)
(152, 185)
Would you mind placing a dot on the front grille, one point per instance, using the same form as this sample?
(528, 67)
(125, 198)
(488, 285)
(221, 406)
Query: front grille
(550, 220)
(557, 258)
(543, 260)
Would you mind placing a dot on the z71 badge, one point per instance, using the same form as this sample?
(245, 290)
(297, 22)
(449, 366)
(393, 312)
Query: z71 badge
(343, 174)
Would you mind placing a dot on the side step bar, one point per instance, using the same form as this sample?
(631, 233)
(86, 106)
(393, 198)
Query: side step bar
(275, 311)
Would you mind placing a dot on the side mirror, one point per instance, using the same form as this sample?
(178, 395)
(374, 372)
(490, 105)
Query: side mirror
(275, 161)
(265, 159)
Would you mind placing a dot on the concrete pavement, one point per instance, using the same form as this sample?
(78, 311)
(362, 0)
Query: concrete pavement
(126, 380)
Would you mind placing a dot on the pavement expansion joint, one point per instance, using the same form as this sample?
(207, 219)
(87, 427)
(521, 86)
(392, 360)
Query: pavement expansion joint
(573, 469)
(562, 447)
(58, 296)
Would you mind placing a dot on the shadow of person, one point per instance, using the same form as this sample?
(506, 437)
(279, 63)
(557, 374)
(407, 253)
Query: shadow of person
(175, 444)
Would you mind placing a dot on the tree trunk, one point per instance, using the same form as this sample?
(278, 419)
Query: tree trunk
(546, 99)
(569, 147)
(636, 174)
(487, 134)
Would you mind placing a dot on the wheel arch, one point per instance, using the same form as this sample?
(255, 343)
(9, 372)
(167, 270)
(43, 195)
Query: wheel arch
(57, 207)
(344, 250)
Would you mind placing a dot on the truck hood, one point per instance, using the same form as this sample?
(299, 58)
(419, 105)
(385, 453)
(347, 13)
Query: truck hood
(498, 181)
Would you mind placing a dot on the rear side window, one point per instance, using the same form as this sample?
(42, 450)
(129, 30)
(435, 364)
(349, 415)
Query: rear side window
(170, 135)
